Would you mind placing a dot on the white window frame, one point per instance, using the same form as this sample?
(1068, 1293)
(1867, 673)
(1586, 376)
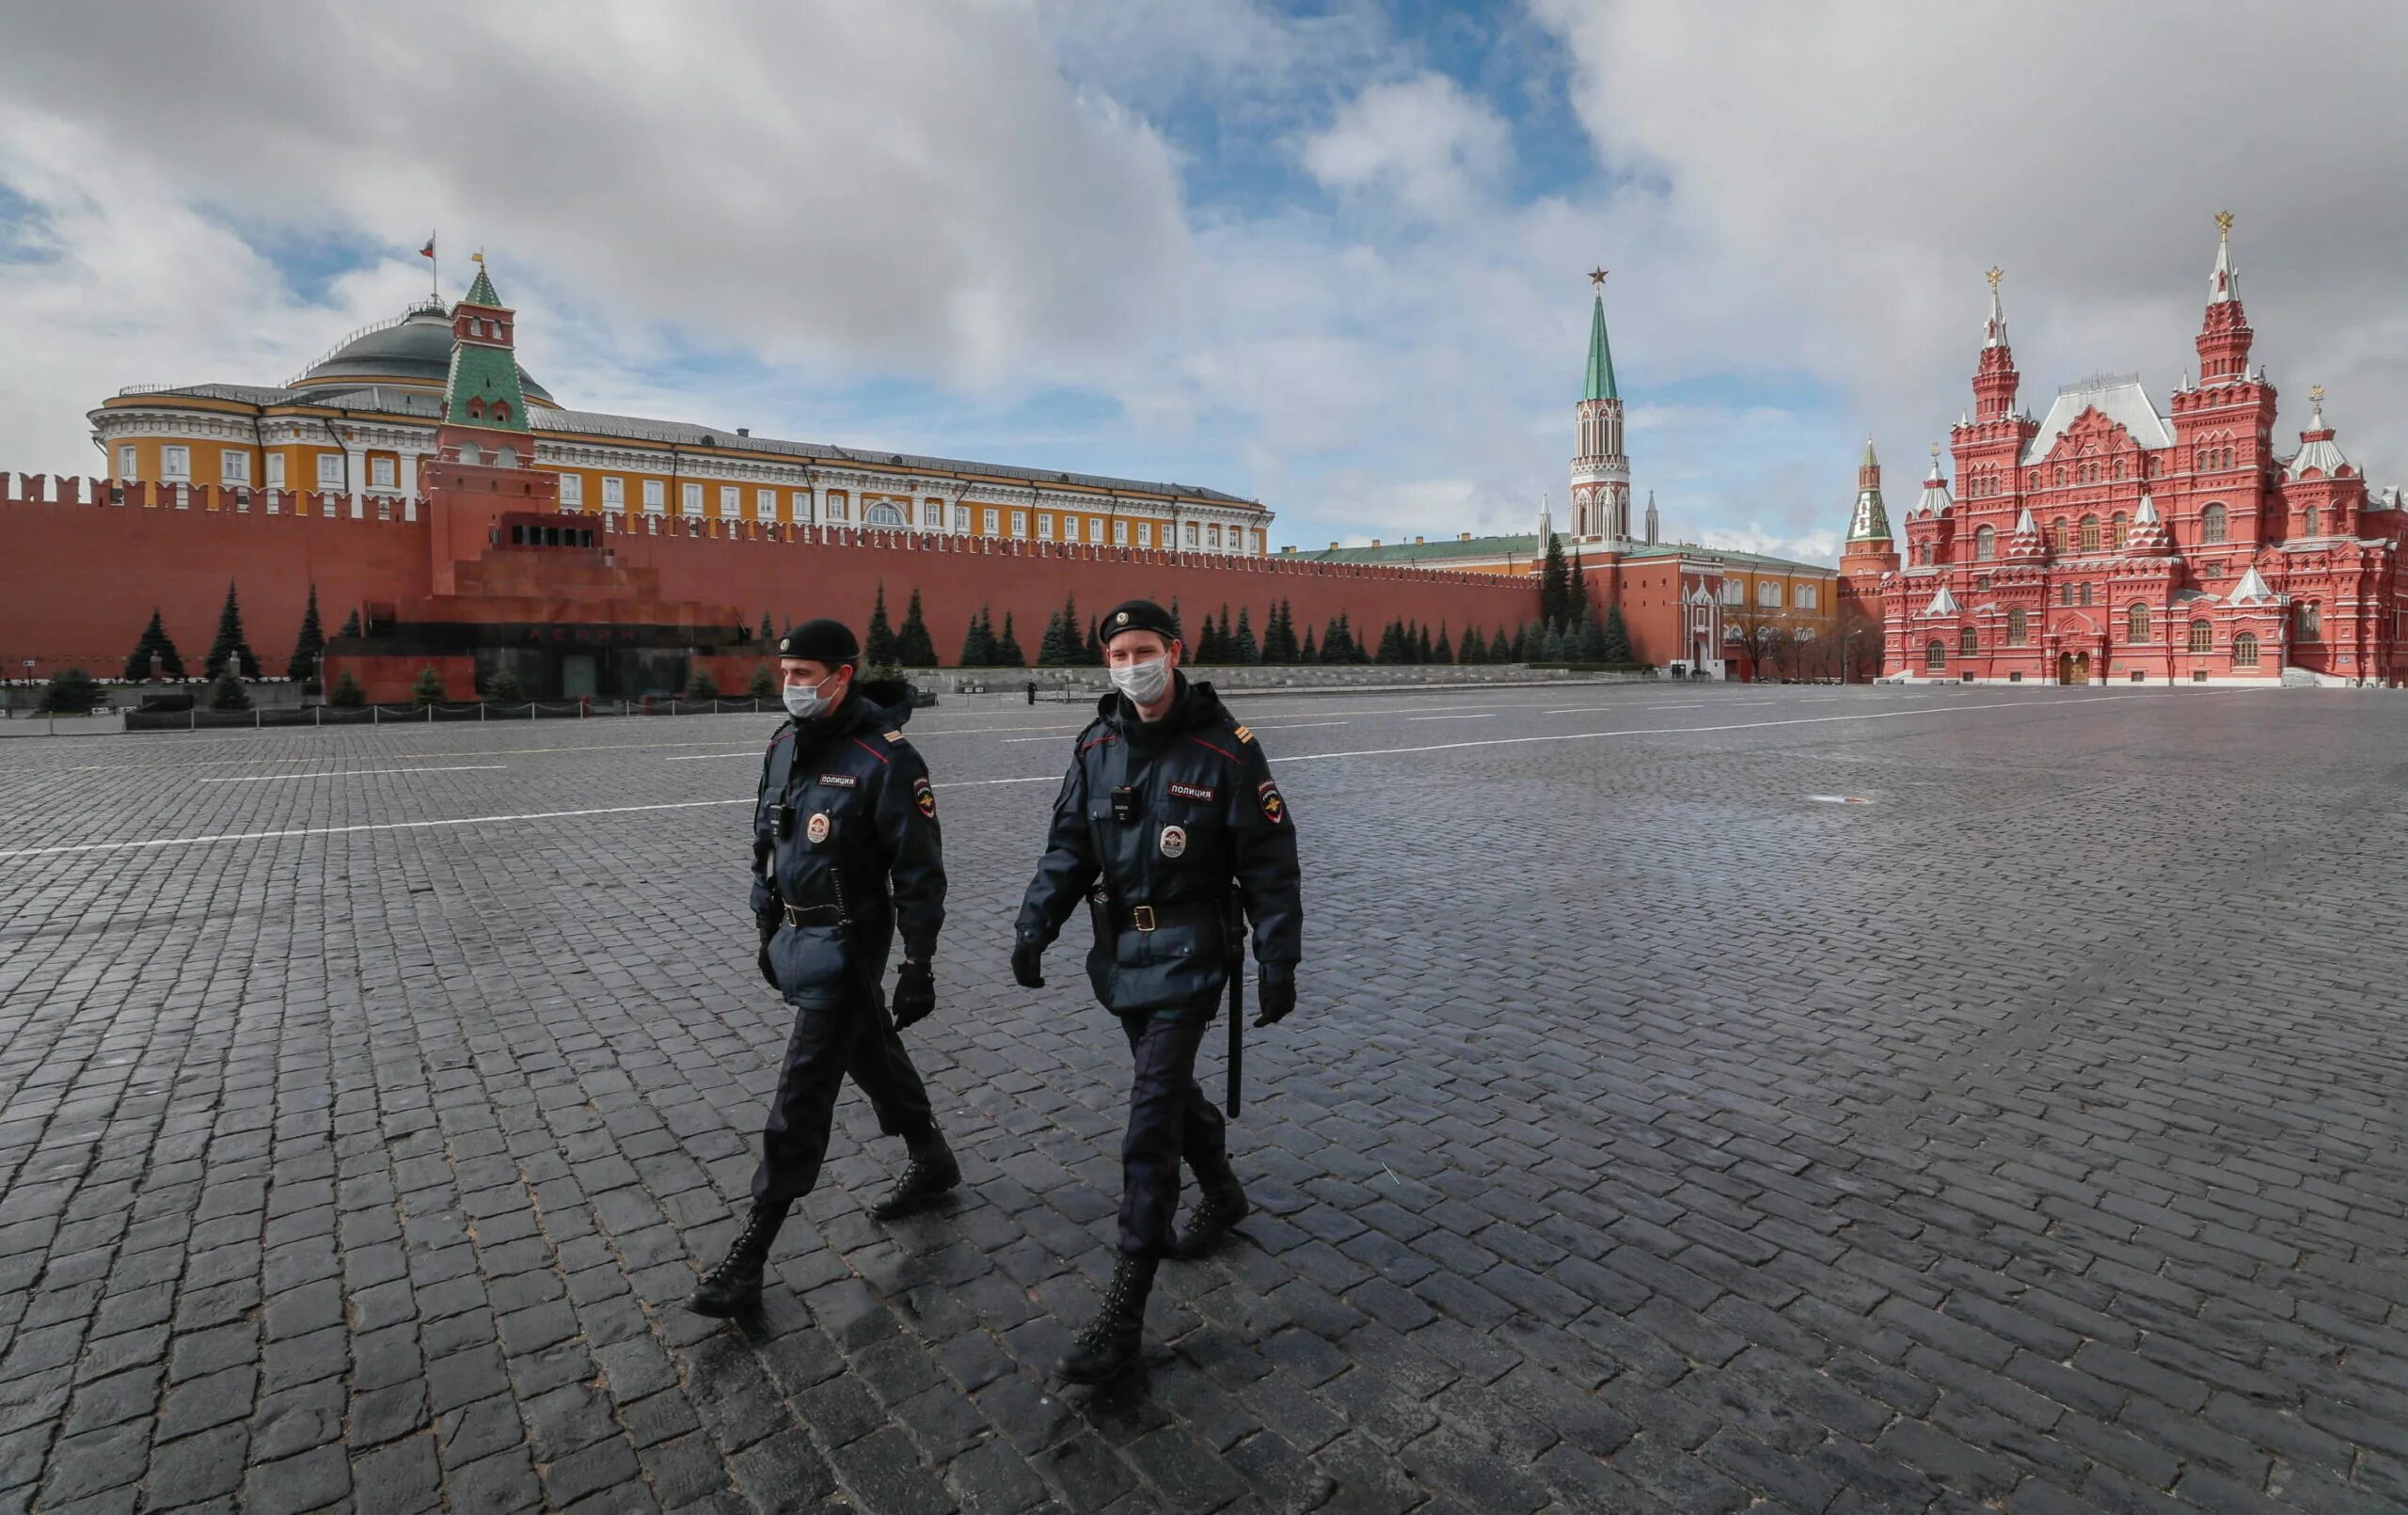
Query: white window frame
(656, 496)
(764, 504)
(991, 516)
(689, 500)
(572, 491)
(1734, 591)
(329, 471)
(1213, 536)
(1044, 526)
(1768, 595)
(615, 491)
(962, 518)
(1095, 529)
(801, 503)
(1192, 536)
(127, 460)
(731, 502)
(384, 473)
(1121, 533)
(1145, 533)
(838, 506)
(235, 468)
(1804, 596)
(175, 464)
(276, 470)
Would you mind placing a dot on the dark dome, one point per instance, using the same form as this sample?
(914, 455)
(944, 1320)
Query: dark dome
(415, 350)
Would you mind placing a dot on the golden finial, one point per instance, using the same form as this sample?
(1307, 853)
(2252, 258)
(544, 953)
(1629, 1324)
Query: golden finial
(2223, 224)
(1995, 275)
(1597, 277)
(2316, 394)
(1935, 453)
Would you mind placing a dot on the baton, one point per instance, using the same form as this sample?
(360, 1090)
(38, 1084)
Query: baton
(1237, 1033)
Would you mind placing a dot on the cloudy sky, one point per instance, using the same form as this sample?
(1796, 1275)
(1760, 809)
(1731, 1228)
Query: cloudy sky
(1329, 255)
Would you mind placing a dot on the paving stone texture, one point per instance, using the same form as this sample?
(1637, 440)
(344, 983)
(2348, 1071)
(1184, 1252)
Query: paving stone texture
(1652, 1136)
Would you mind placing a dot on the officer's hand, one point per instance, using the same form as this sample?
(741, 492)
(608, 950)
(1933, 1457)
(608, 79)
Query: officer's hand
(768, 974)
(915, 994)
(1026, 957)
(1277, 985)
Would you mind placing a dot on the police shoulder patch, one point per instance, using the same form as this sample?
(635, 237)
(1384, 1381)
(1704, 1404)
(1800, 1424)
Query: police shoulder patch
(1275, 809)
(925, 795)
(1244, 734)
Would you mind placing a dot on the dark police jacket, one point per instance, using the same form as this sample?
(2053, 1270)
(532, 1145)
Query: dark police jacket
(1199, 827)
(859, 832)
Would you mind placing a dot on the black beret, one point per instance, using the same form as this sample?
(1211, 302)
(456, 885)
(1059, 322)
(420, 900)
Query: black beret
(821, 641)
(1137, 615)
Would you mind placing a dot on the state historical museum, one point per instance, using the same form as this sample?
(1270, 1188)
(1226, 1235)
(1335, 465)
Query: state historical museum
(2110, 542)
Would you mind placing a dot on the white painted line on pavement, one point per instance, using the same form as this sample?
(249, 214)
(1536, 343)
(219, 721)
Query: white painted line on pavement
(356, 773)
(710, 757)
(1488, 717)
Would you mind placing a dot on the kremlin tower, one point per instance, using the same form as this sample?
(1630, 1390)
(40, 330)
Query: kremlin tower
(1600, 470)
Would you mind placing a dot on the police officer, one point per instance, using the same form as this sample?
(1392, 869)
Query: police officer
(1167, 825)
(846, 850)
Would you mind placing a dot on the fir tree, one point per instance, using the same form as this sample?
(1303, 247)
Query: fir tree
(1176, 624)
(913, 646)
(764, 685)
(1615, 639)
(1333, 642)
(1472, 649)
(154, 640)
(767, 635)
(1060, 647)
(312, 643)
(977, 647)
(877, 648)
(1422, 651)
(1391, 648)
(503, 688)
(231, 642)
(226, 691)
(1094, 657)
(347, 693)
(1500, 648)
(1592, 637)
(1305, 655)
(1227, 640)
(1529, 646)
(428, 690)
(72, 692)
(351, 627)
(1554, 583)
(1445, 653)
(700, 685)
(1008, 652)
(1242, 647)
(1551, 648)
(1208, 644)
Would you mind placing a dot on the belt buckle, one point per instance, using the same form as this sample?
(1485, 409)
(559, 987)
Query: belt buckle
(1142, 916)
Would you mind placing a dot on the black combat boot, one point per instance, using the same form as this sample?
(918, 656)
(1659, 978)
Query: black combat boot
(932, 1171)
(735, 1285)
(1220, 1204)
(1110, 1346)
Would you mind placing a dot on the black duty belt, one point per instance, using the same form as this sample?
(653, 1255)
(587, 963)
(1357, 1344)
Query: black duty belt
(1128, 917)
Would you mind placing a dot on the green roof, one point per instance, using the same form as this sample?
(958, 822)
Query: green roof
(480, 292)
(1601, 357)
(1438, 554)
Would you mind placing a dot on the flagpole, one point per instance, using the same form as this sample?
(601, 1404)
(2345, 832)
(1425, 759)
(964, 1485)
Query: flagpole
(436, 258)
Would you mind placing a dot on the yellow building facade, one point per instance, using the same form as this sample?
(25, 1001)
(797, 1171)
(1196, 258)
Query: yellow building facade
(360, 423)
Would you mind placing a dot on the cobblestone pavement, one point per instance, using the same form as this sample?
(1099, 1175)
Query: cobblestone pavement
(1652, 1135)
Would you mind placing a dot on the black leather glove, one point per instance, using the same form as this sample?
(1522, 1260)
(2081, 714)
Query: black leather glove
(1276, 983)
(1026, 957)
(769, 925)
(915, 993)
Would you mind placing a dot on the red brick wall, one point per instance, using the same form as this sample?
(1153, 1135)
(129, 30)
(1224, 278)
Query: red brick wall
(80, 579)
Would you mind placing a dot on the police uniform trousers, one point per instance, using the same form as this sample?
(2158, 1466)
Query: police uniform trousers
(854, 1038)
(1169, 1118)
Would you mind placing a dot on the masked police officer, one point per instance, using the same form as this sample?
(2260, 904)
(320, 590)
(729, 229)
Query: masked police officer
(846, 850)
(1169, 824)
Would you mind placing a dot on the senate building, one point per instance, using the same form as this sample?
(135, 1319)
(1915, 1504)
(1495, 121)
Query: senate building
(2113, 541)
(360, 423)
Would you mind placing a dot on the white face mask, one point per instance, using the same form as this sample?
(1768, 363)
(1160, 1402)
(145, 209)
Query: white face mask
(805, 701)
(1143, 683)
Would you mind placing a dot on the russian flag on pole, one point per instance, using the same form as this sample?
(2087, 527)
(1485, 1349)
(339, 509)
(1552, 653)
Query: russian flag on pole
(427, 251)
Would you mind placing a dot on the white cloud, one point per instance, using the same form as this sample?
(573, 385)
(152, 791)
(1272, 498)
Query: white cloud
(909, 187)
(1436, 150)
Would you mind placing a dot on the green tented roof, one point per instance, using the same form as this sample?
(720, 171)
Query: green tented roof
(480, 292)
(1601, 357)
